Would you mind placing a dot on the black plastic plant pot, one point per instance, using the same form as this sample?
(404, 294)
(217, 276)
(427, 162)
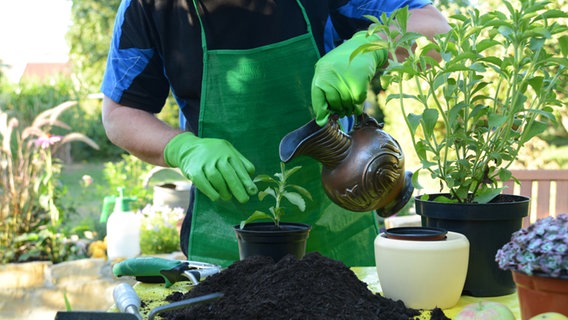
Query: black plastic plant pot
(263, 239)
(487, 227)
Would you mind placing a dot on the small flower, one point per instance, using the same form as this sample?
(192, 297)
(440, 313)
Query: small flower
(86, 180)
(46, 141)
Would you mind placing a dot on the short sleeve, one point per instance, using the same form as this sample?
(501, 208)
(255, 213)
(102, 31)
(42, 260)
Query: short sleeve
(348, 17)
(134, 74)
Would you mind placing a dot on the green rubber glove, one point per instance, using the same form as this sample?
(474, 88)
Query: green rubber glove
(340, 85)
(214, 166)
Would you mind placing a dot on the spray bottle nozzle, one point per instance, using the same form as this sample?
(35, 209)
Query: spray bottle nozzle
(119, 203)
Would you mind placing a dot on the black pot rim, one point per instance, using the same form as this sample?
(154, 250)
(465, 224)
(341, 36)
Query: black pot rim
(263, 227)
(515, 199)
(518, 207)
(416, 233)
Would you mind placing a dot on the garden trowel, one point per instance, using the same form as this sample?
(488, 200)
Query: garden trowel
(126, 301)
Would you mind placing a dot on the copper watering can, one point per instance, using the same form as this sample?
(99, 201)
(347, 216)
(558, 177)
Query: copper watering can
(362, 170)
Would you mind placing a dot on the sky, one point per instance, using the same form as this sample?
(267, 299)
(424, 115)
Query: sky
(33, 31)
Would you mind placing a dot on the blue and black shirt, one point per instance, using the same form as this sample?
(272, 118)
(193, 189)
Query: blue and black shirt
(156, 44)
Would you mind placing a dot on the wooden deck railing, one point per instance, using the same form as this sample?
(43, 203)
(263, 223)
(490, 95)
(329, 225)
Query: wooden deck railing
(548, 190)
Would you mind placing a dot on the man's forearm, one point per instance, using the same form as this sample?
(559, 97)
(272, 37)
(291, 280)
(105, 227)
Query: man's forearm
(136, 131)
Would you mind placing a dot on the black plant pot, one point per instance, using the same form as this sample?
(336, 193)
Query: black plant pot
(263, 239)
(487, 227)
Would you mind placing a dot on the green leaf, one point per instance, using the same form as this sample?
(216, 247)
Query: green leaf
(536, 83)
(264, 178)
(553, 13)
(486, 44)
(291, 171)
(413, 121)
(506, 31)
(402, 17)
(304, 192)
(457, 67)
(296, 199)
(459, 17)
(266, 192)
(257, 215)
(535, 129)
(415, 177)
(496, 120)
(444, 199)
(372, 18)
(397, 97)
(364, 48)
(478, 67)
(66, 300)
(536, 44)
(410, 37)
(493, 60)
(455, 111)
(439, 81)
(563, 42)
(509, 6)
(504, 174)
(420, 149)
(429, 118)
(485, 195)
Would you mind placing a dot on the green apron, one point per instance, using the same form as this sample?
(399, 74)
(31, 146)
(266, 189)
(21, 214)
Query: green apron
(253, 98)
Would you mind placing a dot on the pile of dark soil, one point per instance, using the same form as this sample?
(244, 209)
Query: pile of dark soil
(314, 287)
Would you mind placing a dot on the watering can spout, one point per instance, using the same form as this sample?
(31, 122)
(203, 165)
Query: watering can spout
(328, 144)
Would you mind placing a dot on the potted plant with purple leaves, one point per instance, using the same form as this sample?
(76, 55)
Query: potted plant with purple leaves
(537, 256)
(275, 238)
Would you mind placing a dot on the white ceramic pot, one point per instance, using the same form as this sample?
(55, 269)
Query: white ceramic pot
(173, 194)
(424, 274)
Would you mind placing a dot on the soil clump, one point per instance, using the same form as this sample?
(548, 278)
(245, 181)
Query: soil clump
(313, 288)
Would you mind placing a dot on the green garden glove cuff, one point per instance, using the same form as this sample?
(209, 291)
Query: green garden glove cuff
(339, 84)
(214, 166)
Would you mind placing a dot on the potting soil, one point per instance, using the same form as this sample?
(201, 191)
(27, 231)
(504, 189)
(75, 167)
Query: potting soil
(313, 288)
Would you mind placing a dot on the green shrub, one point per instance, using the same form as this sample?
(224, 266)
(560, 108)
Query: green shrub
(129, 173)
(29, 186)
(159, 232)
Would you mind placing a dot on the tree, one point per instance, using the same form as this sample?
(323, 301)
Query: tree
(89, 39)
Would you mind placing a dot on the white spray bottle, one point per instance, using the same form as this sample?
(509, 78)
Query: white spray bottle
(123, 227)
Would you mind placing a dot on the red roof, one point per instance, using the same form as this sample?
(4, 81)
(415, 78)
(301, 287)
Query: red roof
(43, 70)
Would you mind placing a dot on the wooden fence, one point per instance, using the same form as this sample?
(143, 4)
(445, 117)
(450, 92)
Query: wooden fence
(548, 190)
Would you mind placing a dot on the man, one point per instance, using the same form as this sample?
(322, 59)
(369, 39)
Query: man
(243, 75)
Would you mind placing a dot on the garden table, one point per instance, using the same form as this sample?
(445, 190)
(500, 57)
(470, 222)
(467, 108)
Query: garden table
(153, 295)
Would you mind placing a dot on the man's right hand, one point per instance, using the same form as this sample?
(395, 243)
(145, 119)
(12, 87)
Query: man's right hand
(340, 83)
(214, 166)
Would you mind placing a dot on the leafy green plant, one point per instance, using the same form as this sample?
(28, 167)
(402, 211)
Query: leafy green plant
(130, 173)
(45, 244)
(279, 189)
(494, 88)
(29, 97)
(29, 187)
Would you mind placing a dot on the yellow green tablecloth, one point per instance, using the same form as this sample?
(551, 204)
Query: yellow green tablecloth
(153, 295)
(369, 276)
